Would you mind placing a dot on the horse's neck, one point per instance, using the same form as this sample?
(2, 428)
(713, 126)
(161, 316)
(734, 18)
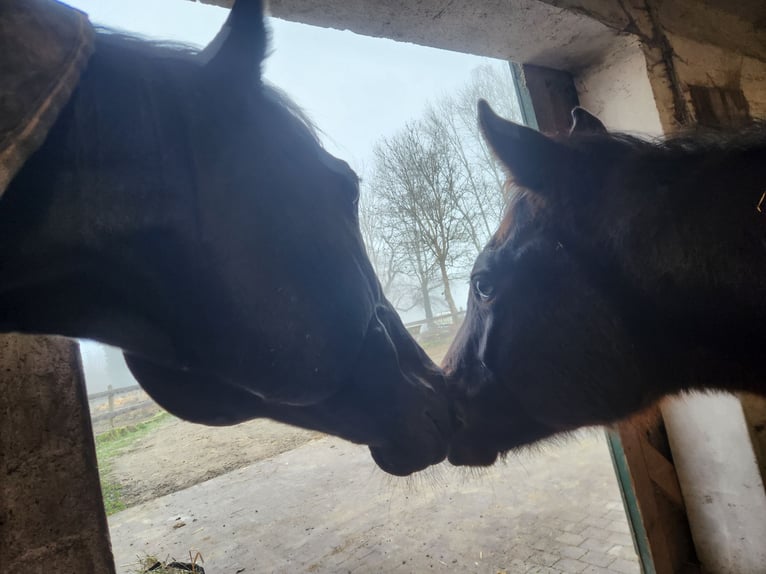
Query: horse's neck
(705, 321)
(703, 237)
(731, 227)
(718, 298)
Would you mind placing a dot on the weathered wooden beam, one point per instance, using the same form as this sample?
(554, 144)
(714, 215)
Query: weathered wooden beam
(663, 473)
(52, 516)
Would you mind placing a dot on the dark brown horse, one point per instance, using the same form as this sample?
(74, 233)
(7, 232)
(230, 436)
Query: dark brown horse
(624, 270)
(185, 212)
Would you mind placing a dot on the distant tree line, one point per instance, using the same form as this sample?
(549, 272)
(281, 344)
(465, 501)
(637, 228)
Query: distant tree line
(435, 195)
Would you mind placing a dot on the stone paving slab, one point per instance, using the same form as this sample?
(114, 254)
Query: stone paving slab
(324, 507)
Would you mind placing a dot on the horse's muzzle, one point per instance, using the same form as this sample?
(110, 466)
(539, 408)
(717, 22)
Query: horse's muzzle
(418, 424)
(465, 452)
(428, 448)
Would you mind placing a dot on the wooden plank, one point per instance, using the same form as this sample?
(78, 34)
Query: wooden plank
(553, 95)
(643, 488)
(648, 473)
(754, 408)
(662, 473)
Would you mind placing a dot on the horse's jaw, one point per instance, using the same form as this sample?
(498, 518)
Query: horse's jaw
(393, 399)
(407, 395)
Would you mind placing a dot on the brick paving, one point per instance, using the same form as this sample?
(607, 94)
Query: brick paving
(323, 508)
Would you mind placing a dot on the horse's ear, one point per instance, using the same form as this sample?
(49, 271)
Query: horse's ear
(239, 48)
(584, 122)
(530, 157)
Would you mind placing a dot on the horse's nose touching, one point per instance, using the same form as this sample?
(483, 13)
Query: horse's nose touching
(467, 378)
(419, 423)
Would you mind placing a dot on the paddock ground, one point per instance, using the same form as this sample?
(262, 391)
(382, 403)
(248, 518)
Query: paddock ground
(324, 507)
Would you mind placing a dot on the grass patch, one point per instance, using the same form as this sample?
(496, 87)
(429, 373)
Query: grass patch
(109, 445)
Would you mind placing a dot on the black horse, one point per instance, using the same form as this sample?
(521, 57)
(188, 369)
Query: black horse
(624, 270)
(185, 212)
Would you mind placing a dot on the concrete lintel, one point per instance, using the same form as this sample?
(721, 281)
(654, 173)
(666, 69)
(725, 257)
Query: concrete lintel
(528, 31)
(561, 34)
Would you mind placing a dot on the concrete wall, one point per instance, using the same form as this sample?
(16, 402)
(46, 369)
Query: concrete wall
(51, 514)
(707, 65)
(736, 25)
(617, 90)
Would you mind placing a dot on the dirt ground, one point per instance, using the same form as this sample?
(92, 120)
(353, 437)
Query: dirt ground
(178, 455)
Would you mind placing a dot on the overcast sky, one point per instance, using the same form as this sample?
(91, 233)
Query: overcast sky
(355, 88)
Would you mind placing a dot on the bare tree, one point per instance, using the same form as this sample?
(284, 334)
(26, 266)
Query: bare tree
(380, 241)
(483, 203)
(436, 195)
(419, 180)
(405, 268)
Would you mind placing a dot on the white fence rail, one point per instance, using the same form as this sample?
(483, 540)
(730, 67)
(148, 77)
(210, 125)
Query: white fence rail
(443, 320)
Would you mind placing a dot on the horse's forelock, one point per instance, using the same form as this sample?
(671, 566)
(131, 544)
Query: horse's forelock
(522, 204)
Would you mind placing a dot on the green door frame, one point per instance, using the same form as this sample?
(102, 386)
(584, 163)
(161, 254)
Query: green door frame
(630, 501)
(523, 96)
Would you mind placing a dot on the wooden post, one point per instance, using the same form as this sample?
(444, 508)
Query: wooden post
(551, 95)
(52, 516)
(652, 496)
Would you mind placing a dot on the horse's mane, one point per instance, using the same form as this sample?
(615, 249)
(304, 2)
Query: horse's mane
(692, 144)
(141, 47)
(693, 140)
(147, 54)
(520, 205)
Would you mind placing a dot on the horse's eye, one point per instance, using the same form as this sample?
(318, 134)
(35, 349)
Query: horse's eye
(483, 288)
(350, 183)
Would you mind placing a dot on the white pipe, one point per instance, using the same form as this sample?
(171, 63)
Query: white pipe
(720, 481)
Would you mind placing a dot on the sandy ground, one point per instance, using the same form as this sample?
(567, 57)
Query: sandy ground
(324, 508)
(178, 455)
